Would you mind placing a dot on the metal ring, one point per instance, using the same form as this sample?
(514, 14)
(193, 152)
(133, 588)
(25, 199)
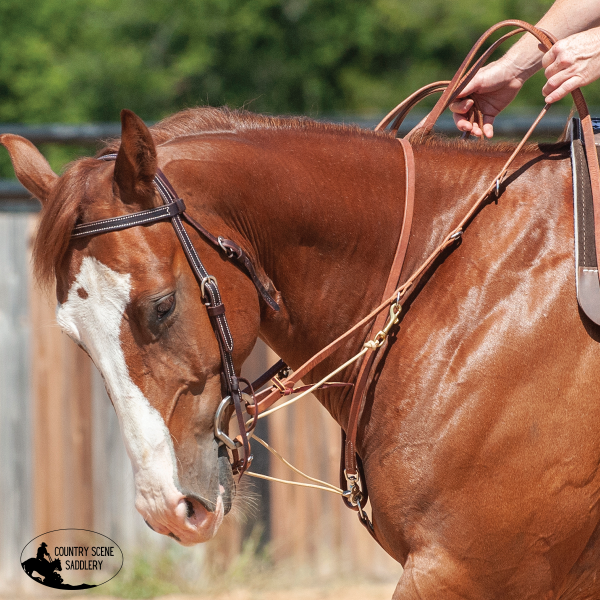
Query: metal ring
(219, 433)
(203, 285)
(230, 253)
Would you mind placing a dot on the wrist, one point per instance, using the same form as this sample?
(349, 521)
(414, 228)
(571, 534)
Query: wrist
(523, 60)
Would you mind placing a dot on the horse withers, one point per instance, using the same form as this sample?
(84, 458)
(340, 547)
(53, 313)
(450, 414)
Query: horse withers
(480, 437)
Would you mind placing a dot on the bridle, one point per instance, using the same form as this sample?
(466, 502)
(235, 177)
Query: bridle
(174, 209)
(283, 383)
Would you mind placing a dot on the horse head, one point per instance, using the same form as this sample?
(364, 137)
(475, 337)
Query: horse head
(130, 300)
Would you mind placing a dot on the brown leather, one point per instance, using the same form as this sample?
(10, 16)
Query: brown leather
(398, 114)
(463, 75)
(391, 285)
(263, 405)
(215, 311)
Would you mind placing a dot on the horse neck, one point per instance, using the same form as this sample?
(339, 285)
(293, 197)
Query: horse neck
(322, 214)
(334, 270)
(329, 216)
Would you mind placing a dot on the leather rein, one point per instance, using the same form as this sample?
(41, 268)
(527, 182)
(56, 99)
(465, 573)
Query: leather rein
(382, 324)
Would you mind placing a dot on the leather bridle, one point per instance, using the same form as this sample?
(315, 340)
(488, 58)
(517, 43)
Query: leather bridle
(174, 210)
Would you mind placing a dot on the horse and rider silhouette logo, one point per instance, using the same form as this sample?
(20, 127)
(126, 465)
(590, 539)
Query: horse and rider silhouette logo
(46, 567)
(82, 559)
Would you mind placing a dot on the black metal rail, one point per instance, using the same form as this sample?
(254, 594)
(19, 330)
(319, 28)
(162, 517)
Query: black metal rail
(15, 198)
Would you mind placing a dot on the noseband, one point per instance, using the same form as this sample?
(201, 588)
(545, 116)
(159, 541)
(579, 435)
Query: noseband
(174, 210)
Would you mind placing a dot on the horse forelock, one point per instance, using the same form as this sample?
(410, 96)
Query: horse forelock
(58, 217)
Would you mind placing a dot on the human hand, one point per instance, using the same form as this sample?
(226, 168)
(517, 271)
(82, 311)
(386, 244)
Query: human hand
(494, 87)
(571, 63)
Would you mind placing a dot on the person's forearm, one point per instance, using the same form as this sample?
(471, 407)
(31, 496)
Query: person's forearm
(564, 18)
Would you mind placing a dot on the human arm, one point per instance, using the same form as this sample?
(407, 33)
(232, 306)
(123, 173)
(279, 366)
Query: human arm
(496, 84)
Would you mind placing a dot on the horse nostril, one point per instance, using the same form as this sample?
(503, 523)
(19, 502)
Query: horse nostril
(190, 508)
(149, 525)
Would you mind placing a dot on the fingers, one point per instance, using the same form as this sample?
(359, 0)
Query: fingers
(460, 108)
(549, 57)
(559, 58)
(461, 123)
(560, 88)
(571, 63)
(488, 126)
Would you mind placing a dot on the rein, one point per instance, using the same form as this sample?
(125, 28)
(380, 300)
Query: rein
(353, 485)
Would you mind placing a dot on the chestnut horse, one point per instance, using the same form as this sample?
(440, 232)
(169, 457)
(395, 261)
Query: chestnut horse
(481, 434)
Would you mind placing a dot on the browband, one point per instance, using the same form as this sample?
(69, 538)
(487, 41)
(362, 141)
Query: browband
(143, 217)
(173, 207)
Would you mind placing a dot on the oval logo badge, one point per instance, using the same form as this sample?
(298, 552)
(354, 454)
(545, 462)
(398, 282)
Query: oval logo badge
(71, 559)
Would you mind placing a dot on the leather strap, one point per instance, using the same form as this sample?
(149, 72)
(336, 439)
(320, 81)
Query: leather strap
(463, 75)
(144, 217)
(213, 302)
(234, 251)
(392, 283)
(397, 115)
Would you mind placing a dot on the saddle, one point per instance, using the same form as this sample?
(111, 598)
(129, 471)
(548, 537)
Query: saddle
(586, 263)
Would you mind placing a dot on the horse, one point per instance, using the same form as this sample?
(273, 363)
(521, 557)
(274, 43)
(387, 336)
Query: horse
(480, 436)
(47, 569)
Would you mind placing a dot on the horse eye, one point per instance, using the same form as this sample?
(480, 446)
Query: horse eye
(165, 307)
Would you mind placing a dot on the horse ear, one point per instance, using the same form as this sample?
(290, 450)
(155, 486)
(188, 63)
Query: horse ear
(31, 168)
(135, 166)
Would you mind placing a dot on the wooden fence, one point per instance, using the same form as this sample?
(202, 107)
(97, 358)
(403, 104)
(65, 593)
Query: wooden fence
(62, 461)
(63, 464)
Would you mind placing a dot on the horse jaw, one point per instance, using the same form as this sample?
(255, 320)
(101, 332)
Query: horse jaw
(92, 317)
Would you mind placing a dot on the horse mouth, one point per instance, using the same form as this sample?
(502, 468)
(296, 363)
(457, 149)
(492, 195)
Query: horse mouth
(226, 488)
(226, 482)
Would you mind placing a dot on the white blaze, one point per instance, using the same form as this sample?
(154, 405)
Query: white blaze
(93, 319)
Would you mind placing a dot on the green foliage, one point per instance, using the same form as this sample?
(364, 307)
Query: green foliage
(149, 574)
(77, 61)
(178, 570)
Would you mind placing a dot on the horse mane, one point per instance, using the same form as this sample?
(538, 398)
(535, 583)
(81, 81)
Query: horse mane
(207, 119)
(478, 146)
(67, 201)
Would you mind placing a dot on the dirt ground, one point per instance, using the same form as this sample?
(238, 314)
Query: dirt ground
(358, 592)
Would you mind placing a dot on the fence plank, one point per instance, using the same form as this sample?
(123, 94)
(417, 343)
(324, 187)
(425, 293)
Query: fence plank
(313, 527)
(62, 410)
(15, 395)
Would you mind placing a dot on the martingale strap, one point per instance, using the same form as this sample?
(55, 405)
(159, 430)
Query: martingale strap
(173, 209)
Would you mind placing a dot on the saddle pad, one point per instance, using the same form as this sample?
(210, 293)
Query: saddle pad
(586, 267)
